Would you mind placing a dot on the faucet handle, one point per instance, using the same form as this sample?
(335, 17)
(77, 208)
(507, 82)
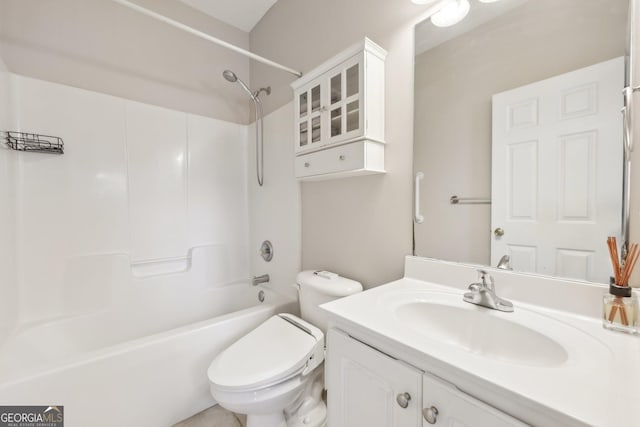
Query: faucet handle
(482, 276)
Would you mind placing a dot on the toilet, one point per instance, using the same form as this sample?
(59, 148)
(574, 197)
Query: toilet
(274, 374)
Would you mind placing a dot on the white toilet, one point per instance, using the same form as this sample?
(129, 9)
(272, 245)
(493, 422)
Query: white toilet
(274, 374)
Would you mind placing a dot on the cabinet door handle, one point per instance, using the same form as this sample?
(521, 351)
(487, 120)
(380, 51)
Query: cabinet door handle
(430, 415)
(403, 399)
(342, 157)
(307, 164)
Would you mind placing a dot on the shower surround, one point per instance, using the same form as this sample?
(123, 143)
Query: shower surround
(134, 242)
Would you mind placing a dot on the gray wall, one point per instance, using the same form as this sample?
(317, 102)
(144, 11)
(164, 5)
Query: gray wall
(454, 83)
(102, 46)
(358, 227)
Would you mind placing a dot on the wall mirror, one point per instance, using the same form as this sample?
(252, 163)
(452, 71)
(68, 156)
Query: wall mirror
(518, 135)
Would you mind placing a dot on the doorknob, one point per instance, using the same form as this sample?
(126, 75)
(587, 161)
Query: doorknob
(403, 399)
(499, 232)
(430, 415)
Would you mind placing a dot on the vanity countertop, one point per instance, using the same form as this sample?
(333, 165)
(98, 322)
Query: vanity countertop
(598, 384)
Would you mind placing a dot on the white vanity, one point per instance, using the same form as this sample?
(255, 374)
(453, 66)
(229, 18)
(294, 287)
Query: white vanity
(412, 353)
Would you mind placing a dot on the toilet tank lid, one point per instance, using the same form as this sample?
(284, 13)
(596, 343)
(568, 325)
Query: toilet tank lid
(328, 283)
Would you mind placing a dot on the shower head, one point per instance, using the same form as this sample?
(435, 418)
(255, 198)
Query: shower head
(231, 77)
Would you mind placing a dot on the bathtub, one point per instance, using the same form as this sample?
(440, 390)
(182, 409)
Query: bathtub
(106, 374)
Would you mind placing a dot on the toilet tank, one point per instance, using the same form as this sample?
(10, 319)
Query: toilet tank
(318, 287)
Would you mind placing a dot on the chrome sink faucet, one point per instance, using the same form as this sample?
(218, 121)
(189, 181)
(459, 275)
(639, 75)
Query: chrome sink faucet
(504, 263)
(484, 294)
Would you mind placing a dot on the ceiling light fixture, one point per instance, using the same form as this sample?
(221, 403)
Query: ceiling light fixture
(488, 1)
(451, 13)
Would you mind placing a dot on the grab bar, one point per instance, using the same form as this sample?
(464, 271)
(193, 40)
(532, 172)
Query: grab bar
(455, 200)
(418, 218)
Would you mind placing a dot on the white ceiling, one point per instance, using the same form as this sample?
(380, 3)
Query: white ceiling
(243, 14)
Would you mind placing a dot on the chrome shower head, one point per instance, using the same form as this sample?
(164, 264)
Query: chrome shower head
(230, 76)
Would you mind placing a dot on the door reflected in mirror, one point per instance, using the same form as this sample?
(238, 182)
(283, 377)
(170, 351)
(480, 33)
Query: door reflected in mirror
(517, 113)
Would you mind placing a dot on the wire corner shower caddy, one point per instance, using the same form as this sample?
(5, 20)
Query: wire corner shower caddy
(34, 142)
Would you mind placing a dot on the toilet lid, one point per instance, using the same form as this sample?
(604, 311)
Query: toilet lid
(275, 350)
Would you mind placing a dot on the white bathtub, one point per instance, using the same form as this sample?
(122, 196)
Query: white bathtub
(106, 374)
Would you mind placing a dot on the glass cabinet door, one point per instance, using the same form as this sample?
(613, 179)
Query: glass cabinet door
(335, 104)
(345, 100)
(353, 94)
(330, 111)
(309, 113)
(303, 125)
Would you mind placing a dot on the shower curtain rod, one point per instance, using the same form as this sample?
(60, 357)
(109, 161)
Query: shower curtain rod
(206, 36)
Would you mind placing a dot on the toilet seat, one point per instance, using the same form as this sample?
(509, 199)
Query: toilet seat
(280, 348)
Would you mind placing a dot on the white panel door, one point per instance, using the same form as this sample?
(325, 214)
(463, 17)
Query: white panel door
(446, 406)
(363, 386)
(557, 172)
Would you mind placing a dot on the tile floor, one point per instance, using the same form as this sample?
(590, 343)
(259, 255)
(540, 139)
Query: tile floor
(214, 417)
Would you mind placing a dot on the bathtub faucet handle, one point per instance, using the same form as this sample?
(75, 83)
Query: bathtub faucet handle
(260, 279)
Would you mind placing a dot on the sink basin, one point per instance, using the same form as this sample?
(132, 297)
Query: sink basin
(501, 336)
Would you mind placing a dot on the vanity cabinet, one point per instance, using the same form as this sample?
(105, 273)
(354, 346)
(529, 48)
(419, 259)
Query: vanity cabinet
(443, 404)
(366, 387)
(341, 102)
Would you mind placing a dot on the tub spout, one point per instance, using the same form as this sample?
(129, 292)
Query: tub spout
(260, 279)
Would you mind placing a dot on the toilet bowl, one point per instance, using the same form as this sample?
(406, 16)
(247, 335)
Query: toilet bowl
(271, 373)
(274, 374)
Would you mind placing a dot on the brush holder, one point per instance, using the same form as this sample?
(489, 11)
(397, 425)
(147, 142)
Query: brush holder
(620, 310)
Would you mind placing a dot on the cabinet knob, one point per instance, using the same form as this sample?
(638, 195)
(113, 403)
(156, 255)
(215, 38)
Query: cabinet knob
(403, 399)
(342, 157)
(430, 414)
(307, 164)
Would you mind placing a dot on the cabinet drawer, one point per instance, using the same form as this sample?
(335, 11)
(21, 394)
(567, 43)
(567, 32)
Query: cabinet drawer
(337, 159)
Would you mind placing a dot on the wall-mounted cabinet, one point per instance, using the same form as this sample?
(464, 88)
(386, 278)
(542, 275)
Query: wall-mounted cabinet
(341, 102)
